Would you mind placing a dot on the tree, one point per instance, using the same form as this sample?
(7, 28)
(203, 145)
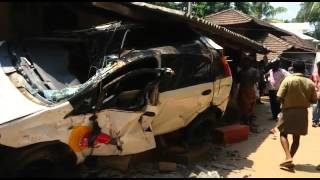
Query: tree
(200, 9)
(243, 6)
(258, 9)
(265, 11)
(310, 12)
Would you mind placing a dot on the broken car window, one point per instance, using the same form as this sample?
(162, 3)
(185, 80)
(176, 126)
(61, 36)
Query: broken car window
(130, 91)
(189, 70)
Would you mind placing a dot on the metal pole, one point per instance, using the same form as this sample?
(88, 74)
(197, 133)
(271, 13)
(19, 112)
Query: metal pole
(189, 8)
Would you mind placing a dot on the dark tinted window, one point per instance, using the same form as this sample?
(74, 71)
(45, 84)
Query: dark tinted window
(129, 93)
(189, 70)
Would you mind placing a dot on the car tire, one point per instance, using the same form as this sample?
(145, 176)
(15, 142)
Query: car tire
(51, 161)
(200, 130)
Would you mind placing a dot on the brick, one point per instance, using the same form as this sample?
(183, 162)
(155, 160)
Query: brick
(146, 156)
(176, 149)
(167, 166)
(231, 134)
(191, 156)
(121, 163)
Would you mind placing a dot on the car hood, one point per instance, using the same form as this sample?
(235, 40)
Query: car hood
(13, 104)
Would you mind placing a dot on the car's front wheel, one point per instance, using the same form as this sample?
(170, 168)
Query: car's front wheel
(200, 130)
(40, 161)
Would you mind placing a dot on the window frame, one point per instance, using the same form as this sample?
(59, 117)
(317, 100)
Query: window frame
(164, 62)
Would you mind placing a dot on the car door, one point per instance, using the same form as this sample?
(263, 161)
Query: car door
(223, 81)
(124, 104)
(186, 94)
(113, 120)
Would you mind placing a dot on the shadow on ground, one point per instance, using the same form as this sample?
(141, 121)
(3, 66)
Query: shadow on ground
(306, 168)
(235, 160)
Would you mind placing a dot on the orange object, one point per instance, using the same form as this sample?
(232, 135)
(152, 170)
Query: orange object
(77, 134)
(232, 134)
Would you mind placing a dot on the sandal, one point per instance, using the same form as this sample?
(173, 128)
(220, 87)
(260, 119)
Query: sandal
(287, 164)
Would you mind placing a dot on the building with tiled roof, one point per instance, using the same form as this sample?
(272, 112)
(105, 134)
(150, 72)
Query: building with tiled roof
(274, 38)
(275, 44)
(243, 23)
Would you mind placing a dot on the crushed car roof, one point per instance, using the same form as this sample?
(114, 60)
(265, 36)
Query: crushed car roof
(148, 12)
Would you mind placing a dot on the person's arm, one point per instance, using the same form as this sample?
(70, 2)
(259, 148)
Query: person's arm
(311, 77)
(285, 72)
(282, 91)
(271, 77)
(313, 94)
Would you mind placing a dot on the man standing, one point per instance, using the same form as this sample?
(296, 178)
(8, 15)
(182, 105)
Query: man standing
(261, 82)
(247, 93)
(276, 76)
(296, 93)
(316, 112)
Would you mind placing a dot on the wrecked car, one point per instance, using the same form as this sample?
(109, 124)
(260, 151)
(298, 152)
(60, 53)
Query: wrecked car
(107, 90)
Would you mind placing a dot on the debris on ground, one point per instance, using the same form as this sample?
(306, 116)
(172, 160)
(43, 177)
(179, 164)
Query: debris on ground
(223, 166)
(192, 175)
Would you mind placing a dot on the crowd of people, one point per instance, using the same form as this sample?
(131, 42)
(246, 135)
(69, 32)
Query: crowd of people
(291, 93)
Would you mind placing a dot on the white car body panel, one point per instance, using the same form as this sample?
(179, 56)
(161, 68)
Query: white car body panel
(13, 104)
(179, 107)
(46, 125)
(221, 93)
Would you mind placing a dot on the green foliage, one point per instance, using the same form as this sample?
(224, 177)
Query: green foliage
(243, 6)
(201, 9)
(264, 10)
(310, 12)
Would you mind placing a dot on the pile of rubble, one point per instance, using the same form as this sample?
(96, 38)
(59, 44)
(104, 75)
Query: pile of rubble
(207, 166)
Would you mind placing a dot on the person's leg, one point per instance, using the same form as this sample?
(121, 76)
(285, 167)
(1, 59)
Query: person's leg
(272, 96)
(277, 106)
(285, 145)
(244, 104)
(271, 101)
(294, 145)
(316, 114)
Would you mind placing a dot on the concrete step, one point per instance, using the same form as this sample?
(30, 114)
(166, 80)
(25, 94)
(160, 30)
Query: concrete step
(231, 134)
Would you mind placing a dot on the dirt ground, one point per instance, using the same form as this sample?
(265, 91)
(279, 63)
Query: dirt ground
(259, 156)
(263, 153)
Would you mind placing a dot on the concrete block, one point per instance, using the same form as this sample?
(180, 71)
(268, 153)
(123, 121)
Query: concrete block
(167, 166)
(231, 134)
(121, 163)
(193, 155)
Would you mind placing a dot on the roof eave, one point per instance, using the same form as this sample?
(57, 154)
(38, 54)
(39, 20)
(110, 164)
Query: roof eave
(135, 10)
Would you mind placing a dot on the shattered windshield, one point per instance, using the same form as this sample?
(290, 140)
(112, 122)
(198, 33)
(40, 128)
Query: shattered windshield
(54, 95)
(68, 92)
